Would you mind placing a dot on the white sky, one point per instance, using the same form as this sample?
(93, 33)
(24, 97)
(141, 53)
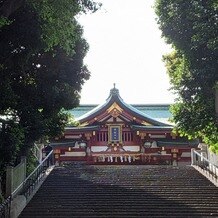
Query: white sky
(126, 48)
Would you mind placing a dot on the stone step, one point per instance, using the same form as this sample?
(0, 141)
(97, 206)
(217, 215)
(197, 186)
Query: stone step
(120, 215)
(124, 191)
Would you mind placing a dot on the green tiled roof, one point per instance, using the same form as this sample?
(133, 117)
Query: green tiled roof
(155, 111)
(158, 112)
(82, 109)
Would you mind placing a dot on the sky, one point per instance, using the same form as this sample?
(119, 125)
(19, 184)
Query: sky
(126, 48)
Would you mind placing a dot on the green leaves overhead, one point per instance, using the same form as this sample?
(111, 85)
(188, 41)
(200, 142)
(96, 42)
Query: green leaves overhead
(55, 31)
(192, 28)
(58, 21)
(42, 69)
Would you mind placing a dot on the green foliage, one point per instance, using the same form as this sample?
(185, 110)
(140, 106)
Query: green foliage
(177, 68)
(61, 32)
(11, 141)
(4, 21)
(32, 163)
(192, 28)
(41, 71)
(55, 31)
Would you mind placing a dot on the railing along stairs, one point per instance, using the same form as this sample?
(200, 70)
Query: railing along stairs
(204, 166)
(28, 186)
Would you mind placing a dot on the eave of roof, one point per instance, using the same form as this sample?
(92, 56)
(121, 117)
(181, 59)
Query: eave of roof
(63, 144)
(165, 128)
(115, 97)
(82, 128)
(159, 112)
(176, 144)
(138, 113)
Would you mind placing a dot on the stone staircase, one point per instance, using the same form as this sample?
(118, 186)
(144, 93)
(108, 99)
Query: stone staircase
(79, 190)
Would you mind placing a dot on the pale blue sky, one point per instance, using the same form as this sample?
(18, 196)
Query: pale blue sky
(126, 48)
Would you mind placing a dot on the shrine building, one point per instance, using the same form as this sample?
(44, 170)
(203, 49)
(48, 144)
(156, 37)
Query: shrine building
(119, 133)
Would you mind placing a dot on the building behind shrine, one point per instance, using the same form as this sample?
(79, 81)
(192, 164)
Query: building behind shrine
(119, 133)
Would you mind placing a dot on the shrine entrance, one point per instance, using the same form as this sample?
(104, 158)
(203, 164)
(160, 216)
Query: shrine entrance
(117, 133)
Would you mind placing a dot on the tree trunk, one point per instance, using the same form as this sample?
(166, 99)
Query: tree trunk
(216, 101)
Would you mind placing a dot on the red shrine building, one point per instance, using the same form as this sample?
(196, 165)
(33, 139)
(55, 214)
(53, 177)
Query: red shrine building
(118, 133)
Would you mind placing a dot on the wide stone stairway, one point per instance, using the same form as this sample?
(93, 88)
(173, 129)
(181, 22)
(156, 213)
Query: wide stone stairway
(79, 190)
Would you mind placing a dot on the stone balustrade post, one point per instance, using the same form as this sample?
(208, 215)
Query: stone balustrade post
(216, 101)
(9, 180)
(193, 157)
(23, 161)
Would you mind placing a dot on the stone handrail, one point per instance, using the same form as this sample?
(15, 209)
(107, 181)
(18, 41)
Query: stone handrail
(35, 177)
(204, 166)
(27, 187)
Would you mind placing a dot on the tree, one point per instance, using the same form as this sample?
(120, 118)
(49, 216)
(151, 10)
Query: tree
(41, 69)
(192, 28)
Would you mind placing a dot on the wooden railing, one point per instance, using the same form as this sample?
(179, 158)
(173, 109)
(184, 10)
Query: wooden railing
(28, 186)
(207, 168)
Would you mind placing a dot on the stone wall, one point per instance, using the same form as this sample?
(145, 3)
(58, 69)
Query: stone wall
(15, 176)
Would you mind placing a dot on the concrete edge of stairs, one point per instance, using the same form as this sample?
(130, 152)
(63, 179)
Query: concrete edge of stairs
(206, 174)
(20, 201)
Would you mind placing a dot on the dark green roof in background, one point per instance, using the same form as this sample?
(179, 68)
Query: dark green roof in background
(82, 109)
(159, 112)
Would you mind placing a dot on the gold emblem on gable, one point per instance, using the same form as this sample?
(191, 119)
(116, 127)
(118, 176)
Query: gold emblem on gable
(84, 124)
(114, 110)
(146, 123)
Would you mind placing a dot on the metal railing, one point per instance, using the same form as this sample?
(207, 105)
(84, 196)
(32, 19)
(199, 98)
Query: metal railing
(5, 208)
(28, 186)
(210, 169)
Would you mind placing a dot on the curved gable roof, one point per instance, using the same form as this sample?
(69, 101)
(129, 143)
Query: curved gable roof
(114, 98)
